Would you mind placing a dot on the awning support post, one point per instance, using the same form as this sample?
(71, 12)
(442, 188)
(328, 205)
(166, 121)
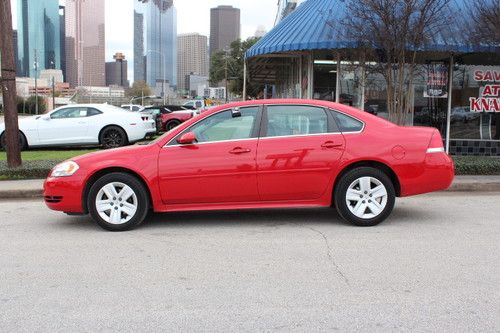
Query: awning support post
(337, 81)
(244, 79)
(448, 113)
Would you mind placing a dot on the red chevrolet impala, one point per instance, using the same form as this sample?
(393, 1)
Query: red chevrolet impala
(258, 154)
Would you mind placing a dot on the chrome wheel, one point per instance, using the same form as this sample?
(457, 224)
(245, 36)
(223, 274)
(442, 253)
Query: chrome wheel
(366, 197)
(116, 203)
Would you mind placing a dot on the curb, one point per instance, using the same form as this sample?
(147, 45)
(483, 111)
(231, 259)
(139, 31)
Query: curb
(474, 187)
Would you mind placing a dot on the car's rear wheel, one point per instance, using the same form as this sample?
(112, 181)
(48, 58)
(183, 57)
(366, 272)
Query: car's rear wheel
(364, 196)
(113, 137)
(118, 201)
(171, 124)
(23, 144)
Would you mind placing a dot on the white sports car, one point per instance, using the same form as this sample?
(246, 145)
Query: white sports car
(82, 124)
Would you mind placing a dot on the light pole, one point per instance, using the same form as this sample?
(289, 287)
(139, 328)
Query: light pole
(35, 67)
(164, 74)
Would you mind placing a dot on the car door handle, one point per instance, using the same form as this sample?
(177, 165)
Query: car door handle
(239, 150)
(331, 144)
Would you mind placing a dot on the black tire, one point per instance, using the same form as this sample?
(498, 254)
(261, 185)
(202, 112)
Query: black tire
(352, 177)
(23, 144)
(113, 137)
(141, 196)
(171, 124)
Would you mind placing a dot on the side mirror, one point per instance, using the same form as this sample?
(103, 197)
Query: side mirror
(187, 138)
(46, 117)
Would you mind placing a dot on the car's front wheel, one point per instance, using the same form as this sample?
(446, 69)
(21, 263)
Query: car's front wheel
(364, 196)
(113, 137)
(118, 201)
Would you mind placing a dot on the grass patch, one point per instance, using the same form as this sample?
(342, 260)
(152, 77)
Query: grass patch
(43, 155)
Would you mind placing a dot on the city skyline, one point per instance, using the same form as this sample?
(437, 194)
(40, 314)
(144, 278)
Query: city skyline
(192, 17)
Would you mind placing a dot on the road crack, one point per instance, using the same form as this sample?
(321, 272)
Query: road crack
(329, 254)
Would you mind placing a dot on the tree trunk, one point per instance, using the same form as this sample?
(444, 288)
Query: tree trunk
(8, 86)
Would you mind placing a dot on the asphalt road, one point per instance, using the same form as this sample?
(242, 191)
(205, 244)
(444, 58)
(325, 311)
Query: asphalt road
(433, 266)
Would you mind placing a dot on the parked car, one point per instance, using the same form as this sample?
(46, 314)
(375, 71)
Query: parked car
(133, 107)
(462, 114)
(81, 124)
(170, 116)
(258, 154)
(146, 116)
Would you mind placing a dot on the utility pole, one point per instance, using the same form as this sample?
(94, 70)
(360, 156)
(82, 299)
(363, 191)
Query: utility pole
(8, 86)
(35, 66)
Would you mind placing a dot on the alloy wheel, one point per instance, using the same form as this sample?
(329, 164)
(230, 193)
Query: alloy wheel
(366, 197)
(116, 203)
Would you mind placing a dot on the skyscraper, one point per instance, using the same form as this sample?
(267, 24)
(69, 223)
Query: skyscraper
(116, 71)
(224, 27)
(155, 41)
(85, 42)
(38, 44)
(62, 28)
(192, 57)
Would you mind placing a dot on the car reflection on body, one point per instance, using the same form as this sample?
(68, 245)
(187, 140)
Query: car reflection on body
(258, 154)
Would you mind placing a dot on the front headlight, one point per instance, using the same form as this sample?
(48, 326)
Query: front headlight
(64, 169)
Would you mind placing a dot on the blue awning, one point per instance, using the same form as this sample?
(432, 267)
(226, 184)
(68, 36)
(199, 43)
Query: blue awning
(316, 25)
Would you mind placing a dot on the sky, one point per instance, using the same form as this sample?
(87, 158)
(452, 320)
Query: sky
(192, 16)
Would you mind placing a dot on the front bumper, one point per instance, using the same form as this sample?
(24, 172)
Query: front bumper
(64, 193)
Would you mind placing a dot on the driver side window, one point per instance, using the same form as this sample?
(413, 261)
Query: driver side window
(69, 113)
(223, 126)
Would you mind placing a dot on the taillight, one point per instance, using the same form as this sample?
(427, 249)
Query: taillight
(436, 144)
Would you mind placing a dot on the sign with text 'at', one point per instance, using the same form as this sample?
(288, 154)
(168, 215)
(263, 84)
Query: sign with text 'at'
(489, 100)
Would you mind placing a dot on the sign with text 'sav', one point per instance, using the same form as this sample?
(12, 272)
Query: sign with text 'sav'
(489, 100)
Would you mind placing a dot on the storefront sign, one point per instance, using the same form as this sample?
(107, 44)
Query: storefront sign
(437, 81)
(489, 100)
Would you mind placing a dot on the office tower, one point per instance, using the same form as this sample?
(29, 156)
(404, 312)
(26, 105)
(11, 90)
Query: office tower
(16, 58)
(62, 40)
(224, 27)
(192, 57)
(38, 36)
(116, 71)
(85, 42)
(155, 42)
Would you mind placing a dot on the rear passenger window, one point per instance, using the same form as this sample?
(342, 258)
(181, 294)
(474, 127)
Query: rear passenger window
(347, 123)
(285, 120)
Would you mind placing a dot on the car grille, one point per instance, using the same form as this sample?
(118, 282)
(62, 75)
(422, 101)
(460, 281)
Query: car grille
(53, 198)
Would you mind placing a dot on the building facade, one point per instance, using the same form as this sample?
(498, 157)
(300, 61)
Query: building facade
(224, 27)
(38, 36)
(452, 88)
(192, 57)
(155, 42)
(116, 71)
(85, 42)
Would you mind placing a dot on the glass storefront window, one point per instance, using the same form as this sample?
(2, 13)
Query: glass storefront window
(469, 89)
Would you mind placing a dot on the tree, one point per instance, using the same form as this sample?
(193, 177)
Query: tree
(8, 86)
(391, 32)
(139, 88)
(486, 21)
(234, 59)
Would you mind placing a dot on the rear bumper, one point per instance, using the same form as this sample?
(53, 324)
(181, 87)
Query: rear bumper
(437, 174)
(64, 193)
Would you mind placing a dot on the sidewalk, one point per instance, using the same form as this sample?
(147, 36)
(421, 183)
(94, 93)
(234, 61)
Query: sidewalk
(19, 189)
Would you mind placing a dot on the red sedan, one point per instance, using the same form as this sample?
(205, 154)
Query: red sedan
(258, 154)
